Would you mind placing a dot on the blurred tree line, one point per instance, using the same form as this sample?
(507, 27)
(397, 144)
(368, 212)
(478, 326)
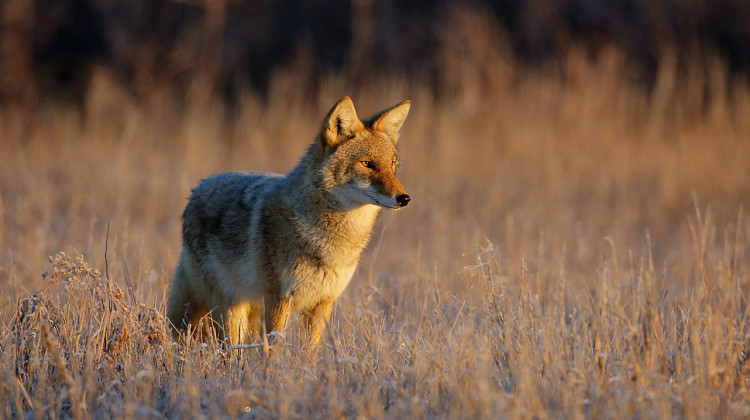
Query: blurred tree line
(48, 48)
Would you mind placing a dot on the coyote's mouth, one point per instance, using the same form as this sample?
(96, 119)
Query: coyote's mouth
(377, 200)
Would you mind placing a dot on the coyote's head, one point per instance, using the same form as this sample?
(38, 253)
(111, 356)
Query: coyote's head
(361, 160)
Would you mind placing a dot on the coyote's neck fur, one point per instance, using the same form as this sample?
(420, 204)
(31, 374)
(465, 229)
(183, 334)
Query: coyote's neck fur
(319, 214)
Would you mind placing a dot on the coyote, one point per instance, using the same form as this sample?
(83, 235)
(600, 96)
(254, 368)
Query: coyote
(291, 242)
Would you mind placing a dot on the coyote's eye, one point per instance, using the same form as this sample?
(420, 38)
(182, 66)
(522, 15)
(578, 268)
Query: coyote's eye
(367, 164)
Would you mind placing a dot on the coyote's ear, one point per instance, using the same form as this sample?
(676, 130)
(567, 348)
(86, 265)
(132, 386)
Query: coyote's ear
(391, 120)
(342, 123)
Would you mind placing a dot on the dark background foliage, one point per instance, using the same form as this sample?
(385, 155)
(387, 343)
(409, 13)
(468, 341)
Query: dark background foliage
(49, 47)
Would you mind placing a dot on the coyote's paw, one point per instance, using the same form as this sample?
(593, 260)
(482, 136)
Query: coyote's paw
(276, 338)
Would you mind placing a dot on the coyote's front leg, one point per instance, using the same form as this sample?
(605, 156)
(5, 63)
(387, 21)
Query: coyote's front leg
(277, 314)
(239, 325)
(317, 319)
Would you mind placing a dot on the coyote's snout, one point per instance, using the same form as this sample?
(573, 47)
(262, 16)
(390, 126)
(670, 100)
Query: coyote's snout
(292, 242)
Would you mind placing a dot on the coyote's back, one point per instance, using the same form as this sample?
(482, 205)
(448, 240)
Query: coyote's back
(254, 240)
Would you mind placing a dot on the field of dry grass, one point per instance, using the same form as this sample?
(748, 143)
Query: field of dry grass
(576, 247)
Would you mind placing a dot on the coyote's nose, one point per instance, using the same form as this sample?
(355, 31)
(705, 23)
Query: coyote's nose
(403, 199)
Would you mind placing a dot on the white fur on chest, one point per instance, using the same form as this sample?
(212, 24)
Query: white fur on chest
(363, 218)
(310, 284)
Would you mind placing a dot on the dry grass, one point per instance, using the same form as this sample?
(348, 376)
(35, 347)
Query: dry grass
(575, 248)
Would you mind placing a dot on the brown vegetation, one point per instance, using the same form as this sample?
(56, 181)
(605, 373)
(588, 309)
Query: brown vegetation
(575, 247)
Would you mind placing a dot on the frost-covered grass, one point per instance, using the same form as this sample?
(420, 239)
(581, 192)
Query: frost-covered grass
(575, 247)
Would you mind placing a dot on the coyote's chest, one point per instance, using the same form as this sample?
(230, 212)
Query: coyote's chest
(324, 268)
(314, 284)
